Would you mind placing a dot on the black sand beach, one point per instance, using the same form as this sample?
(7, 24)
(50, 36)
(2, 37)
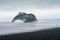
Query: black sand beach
(29, 19)
(48, 34)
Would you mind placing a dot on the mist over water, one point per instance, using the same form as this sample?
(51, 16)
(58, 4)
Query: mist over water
(42, 9)
(46, 11)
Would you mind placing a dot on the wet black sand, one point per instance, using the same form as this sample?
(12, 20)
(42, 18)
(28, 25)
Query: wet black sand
(48, 34)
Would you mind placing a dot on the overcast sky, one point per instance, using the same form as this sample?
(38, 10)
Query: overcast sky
(43, 9)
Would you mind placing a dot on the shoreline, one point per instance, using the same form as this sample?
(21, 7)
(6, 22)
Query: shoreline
(47, 34)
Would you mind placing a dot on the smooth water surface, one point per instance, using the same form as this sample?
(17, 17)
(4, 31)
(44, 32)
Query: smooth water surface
(12, 28)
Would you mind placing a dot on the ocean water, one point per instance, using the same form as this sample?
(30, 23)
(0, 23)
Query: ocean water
(7, 28)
